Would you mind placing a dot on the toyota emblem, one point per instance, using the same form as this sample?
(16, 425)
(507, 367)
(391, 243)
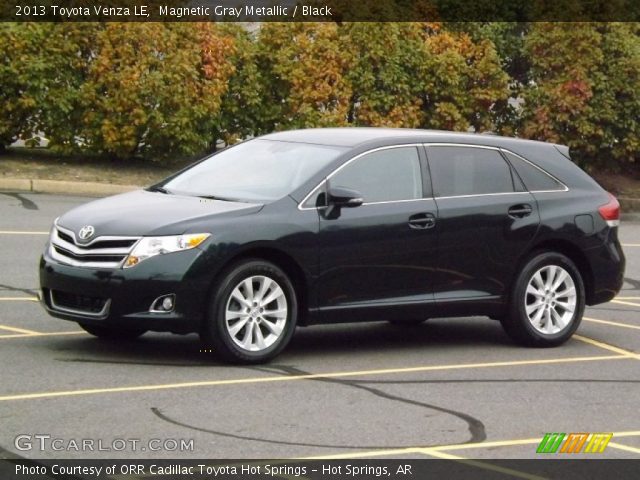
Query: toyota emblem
(86, 232)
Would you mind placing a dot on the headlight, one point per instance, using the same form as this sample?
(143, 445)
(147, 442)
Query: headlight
(151, 246)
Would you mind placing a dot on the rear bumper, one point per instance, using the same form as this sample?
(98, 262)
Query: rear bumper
(123, 297)
(607, 264)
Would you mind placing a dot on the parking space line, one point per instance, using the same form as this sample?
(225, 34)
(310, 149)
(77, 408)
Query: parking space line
(449, 448)
(626, 448)
(514, 443)
(606, 346)
(630, 244)
(17, 232)
(17, 330)
(42, 334)
(613, 324)
(621, 302)
(18, 299)
(627, 298)
(311, 376)
(485, 465)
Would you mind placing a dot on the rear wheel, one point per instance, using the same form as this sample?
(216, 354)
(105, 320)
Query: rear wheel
(113, 333)
(547, 301)
(252, 315)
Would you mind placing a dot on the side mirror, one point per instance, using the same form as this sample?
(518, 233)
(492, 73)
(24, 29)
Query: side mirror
(344, 197)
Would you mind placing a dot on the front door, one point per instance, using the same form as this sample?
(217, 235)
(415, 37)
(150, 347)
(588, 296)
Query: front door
(377, 259)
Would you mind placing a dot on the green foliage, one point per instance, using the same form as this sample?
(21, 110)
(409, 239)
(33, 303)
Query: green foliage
(154, 88)
(162, 89)
(584, 91)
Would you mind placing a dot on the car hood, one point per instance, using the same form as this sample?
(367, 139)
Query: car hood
(151, 213)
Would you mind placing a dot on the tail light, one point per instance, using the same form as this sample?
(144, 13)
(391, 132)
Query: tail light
(610, 212)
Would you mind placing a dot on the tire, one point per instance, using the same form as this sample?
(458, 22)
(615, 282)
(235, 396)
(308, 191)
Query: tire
(409, 322)
(547, 301)
(239, 326)
(112, 333)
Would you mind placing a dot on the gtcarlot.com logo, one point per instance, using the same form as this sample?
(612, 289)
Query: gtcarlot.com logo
(45, 442)
(574, 443)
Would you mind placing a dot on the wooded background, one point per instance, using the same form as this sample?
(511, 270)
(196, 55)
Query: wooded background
(157, 90)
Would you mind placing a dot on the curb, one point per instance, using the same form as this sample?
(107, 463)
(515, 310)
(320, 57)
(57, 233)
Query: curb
(91, 189)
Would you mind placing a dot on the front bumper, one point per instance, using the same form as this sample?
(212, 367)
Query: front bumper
(123, 297)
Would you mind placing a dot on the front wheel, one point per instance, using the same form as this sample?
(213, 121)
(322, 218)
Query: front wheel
(547, 301)
(252, 315)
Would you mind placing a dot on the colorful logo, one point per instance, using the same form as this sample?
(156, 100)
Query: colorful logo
(574, 442)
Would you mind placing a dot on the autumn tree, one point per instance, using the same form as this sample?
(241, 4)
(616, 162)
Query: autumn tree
(304, 70)
(462, 81)
(155, 89)
(584, 90)
(384, 78)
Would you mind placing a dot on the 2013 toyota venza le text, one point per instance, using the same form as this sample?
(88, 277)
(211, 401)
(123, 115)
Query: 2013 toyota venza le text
(341, 225)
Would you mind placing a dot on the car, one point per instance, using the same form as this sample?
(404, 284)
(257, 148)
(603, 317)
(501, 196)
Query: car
(312, 226)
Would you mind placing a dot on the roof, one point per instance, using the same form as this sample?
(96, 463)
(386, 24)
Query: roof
(352, 136)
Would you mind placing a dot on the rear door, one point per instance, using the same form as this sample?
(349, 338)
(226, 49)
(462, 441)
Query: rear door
(486, 219)
(381, 254)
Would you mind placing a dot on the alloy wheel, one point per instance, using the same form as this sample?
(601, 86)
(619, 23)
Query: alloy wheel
(550, 299)
(256, 313)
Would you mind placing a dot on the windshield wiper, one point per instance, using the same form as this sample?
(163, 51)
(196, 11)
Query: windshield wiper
(159, 189)
(215, 197)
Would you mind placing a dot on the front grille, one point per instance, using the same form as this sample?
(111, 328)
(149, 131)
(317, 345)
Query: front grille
(102, 252)
(77, 303)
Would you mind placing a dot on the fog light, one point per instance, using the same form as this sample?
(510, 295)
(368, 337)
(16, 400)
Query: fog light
(167, 303)
(163, 304)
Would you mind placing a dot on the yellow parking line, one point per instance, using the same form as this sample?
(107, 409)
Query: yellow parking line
(620, 302)
(614, 324)
(448, 448)
(17, 232)
(311, 376)
(630, 244)
(41, 334)
(626, 448)
(627, 298)
(17, 330)
(480, 464)
(18, 299)
(515, 443)
(606, 346)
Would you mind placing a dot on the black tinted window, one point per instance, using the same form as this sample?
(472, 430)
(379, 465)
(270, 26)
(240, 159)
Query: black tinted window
(534, 178)
(468, 171)
(385, 175)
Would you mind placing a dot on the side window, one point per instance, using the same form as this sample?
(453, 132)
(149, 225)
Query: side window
(383, 176)
(534, 178)
(468, 171)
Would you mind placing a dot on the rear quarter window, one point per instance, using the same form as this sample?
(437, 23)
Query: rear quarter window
(534, 178)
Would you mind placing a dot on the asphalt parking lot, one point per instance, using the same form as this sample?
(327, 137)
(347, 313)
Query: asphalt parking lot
(450, 388)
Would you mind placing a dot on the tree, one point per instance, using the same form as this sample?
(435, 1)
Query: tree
(584, 91)
(384, 77)
(42, 67)
(304, 71)
(462, 82)
(155, 89)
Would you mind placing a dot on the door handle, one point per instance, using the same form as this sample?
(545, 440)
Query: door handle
(520, 211)
(422, 220)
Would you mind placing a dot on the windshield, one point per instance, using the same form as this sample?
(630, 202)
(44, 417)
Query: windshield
(257, 170)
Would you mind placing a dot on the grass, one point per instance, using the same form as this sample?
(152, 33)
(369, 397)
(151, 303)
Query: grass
(621, 185)
(39, 163)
